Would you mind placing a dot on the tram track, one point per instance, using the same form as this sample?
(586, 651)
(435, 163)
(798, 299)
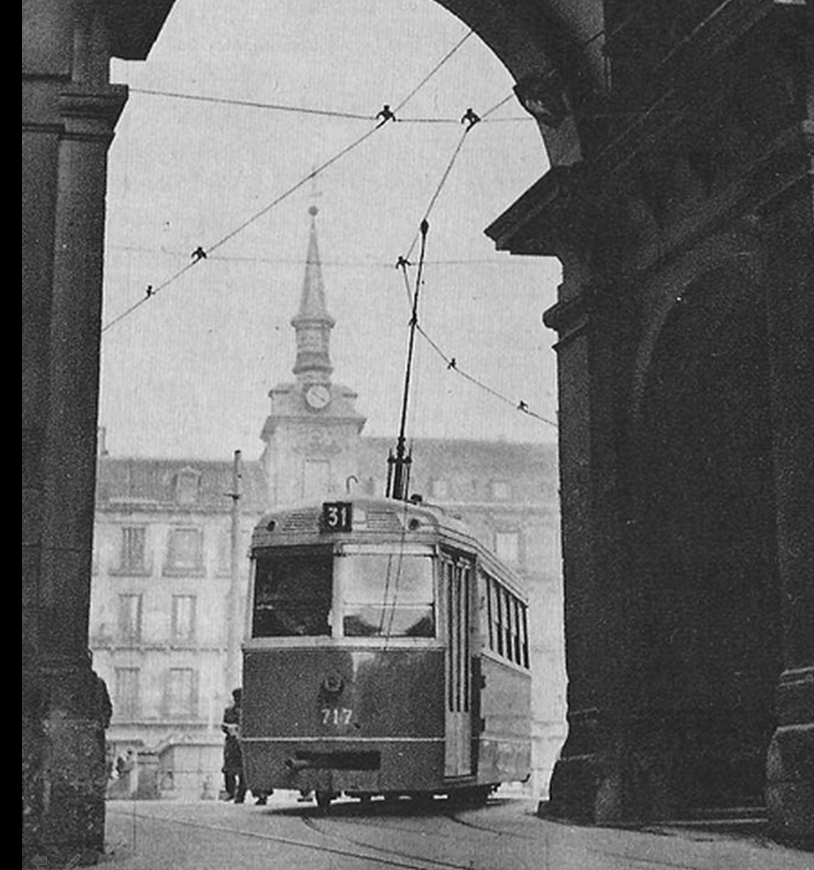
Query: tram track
(313, 824)
(371, 853)
(441, 811)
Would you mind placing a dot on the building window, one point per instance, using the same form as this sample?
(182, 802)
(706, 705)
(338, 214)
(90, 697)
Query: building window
(129, 619)
(182, 698)
(187, 484)
(316, 478)
(134, 549)
(127, 699)
(507, 546)
(183, 618)
(185, 550)
(501, 491)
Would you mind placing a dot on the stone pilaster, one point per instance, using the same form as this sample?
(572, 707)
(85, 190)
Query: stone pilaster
(588, 780)
(790, 759)
(69, 111)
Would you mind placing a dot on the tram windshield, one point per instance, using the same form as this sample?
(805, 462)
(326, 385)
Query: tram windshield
(292, 594)
(386, 591)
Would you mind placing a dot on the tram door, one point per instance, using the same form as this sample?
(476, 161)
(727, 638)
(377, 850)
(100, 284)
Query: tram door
(457, 579)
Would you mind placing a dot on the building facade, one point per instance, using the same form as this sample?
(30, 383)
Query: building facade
(168, 595)
(163, 590)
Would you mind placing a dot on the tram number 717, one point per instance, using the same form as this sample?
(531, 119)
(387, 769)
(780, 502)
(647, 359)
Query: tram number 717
(336, 715)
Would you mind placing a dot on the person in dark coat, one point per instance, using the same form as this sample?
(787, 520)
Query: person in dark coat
(233, 779)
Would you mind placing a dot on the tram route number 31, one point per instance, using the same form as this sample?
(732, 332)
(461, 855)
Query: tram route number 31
(336, 716)
(337, 516)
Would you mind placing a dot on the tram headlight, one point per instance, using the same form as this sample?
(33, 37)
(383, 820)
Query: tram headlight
(333, 684)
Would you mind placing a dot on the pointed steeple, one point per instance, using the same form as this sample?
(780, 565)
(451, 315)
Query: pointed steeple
(312, 323)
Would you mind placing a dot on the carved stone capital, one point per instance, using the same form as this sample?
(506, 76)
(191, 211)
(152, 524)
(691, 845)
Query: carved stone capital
(90, 112)
(548, 218)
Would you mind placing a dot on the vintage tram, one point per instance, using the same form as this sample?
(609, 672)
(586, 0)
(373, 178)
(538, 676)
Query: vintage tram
(387, 653)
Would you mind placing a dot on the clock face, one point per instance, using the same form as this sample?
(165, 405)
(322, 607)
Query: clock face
(317, 396)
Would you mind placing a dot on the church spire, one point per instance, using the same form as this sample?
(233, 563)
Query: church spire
(312, 323)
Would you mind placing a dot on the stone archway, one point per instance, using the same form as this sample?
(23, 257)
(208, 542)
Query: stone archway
(70, 110)
(705, 601)
(672, 68)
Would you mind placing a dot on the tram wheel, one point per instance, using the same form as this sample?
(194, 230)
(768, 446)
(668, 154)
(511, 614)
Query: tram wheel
(324, 799)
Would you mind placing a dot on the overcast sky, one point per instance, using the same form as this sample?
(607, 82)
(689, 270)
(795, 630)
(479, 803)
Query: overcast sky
(187, 372)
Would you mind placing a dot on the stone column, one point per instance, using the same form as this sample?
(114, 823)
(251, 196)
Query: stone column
(593, 352)
(790, 762)
(69, 111)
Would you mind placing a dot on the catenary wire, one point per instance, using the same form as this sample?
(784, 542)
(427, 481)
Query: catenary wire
(296, 261)
(230, 235)
(452, 365)
(433, 71)
(521, 405)
(155, 290)
(251, 104)
(304, 110)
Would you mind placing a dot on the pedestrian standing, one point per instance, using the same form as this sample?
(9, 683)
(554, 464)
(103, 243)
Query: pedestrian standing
(233, 779)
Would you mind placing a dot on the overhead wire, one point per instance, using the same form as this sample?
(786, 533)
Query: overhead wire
(452, 365)
(201, 254)
(434, 70)
(204, 253)
(252, 104)
(304, 110)
(296, 261)
(412, 293)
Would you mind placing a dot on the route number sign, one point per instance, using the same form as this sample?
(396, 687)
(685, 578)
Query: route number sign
(337, 516)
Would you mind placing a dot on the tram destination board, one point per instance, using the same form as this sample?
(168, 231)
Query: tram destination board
(337, 516)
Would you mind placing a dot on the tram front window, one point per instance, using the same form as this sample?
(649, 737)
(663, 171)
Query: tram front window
(292, 595)
(386, 594)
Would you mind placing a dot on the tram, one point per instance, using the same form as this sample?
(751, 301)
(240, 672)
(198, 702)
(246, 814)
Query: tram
(387, 654)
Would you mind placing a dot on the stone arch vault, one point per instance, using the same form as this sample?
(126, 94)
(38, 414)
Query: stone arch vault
(680, 139)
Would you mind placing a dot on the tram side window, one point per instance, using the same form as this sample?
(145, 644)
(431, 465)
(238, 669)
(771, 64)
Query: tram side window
(508, 617)
(517, 631)
(387, 595)
(508, 623)
(292, 595)
(497, 616)
(524, 636)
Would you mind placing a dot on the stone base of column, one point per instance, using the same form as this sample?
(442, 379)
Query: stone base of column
(790, 784)
(586, 784)
(790, 761)
(682, 765)
(65, 712)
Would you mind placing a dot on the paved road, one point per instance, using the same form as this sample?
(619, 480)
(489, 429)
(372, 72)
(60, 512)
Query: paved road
(505, 834)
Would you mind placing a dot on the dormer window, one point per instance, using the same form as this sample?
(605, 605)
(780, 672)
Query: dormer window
(187, 485)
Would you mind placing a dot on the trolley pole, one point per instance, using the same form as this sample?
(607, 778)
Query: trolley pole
(398, 471)
(233, 621)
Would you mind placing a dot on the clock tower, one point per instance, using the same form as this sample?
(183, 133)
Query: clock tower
(312, 431)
